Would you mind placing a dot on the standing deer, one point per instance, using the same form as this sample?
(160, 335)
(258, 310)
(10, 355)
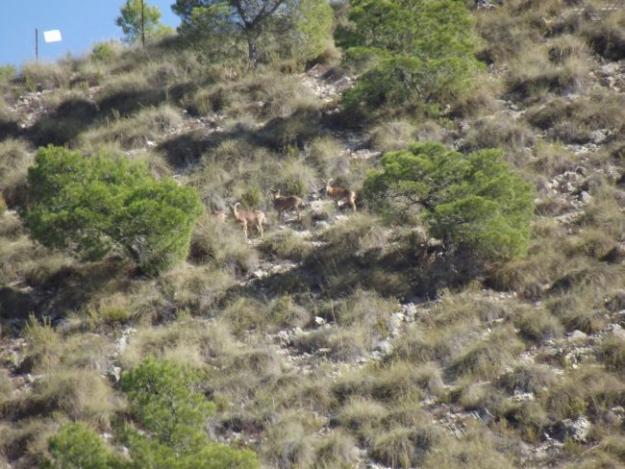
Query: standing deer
(248, 218)
(282, 203)
(340, 193)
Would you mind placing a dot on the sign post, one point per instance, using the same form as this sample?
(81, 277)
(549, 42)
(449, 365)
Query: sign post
(143, 23)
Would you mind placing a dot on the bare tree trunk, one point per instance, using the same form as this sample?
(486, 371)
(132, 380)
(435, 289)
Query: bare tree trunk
(252, 47)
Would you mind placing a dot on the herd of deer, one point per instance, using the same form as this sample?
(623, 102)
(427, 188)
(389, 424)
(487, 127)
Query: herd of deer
(283, 203)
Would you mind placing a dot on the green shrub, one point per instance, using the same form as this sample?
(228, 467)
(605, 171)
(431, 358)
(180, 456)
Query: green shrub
(76, 446)
(164, 399)
(104, 52)
(427, 52)
(471, 200)
(92, 205)
(7, 73)
(313, 29)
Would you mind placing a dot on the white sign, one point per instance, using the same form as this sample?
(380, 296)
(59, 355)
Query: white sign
(52, 36)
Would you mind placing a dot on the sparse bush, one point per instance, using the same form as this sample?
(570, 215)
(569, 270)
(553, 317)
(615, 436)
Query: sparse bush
(606, 36)
(223, 245)
(527, 378)
(126, 94)
(476, 450)
(7, 73)
(573, 121)
(336, 449)
(147, 125)
(538, 325)
(104, 52)
(325, 154)
(116, 205)
(393, 136)
(612, 353)
(561, 68)
(15, 158)
(45, 345)
(78, 393)
(292, 442)
(286, 244)
(500, 130)
(403, 447)
(46, 76)
(486, 358)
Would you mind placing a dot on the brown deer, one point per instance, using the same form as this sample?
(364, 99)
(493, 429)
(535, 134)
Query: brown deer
(248, 218)
(282, 203)
(340, 193)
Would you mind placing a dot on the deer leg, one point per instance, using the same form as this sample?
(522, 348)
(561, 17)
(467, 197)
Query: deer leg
(244, 224)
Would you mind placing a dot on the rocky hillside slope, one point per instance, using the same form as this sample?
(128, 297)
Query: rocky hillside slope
(335, 340)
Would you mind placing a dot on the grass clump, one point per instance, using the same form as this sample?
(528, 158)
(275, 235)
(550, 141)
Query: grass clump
(148, 125)
(403, 447)
(476, 450)
(487, 358)
(538, 325)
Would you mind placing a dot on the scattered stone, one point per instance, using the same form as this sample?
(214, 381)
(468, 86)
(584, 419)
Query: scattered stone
(410, 311)
(585, 197)
(395, 323)
(283, 337)
(577, 429)
(599, 136)
(523, 396)
(385, 347)
(115, 372)
(577, 336)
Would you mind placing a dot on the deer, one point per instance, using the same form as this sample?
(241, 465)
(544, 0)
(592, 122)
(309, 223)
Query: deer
(246, 218)
(340, 193)
(282, 203)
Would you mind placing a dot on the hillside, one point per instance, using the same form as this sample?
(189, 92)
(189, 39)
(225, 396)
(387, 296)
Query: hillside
(366, 338)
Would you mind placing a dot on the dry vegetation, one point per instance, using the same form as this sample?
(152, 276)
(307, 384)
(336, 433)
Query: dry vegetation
(337, 340)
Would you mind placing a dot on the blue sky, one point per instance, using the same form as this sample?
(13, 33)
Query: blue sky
(82, 23)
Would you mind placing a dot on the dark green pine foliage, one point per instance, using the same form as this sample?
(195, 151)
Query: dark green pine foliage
(420, 54)
(471, 201)
(90, 206)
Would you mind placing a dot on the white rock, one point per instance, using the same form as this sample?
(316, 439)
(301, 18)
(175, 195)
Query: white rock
(577, 335)
(580, 428)
(319, 321)
(385, 347)
(283, 336)
(617, 330)
(116, 373)
(585, 197)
